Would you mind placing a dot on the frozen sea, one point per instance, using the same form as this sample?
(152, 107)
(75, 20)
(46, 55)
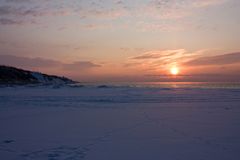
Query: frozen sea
(124, 121)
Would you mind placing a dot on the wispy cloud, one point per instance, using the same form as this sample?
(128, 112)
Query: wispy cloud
(26, 11)
(225, 59)
(80, 65)
(42, 63)
(194, 66)
(172, 9)
(32, 10)
(96, 26)
(17, 1)
(16, 11)
(102, 13)
(6, 21)
(26, 62)
(159, 26)
(162, 59)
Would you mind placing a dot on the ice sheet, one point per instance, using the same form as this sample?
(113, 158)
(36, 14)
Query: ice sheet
(104, 123)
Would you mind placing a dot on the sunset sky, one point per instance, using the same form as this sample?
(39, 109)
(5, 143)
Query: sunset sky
(123, 40)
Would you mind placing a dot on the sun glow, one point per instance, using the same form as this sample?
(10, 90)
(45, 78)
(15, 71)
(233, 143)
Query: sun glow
(174, 71)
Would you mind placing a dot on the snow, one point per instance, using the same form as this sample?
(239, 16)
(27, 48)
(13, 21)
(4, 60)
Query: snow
(47, 80)
(116, 123)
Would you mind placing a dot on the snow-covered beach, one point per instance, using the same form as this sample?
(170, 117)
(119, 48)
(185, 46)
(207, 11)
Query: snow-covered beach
(119, 123)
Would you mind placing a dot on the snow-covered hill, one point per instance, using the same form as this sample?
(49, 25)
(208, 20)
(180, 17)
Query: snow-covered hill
(11, 75)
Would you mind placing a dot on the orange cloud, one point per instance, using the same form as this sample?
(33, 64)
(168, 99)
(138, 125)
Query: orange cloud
(163, 59)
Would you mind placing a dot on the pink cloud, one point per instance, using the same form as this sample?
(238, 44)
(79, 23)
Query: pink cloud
(161, 59)
(42, 63)
(225, 59)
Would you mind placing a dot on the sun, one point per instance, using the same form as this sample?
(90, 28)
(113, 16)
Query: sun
(174, 70)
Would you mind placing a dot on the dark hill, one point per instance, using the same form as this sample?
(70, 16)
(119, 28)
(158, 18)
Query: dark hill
(12, 75)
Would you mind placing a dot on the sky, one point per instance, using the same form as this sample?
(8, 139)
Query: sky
(123, 40)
